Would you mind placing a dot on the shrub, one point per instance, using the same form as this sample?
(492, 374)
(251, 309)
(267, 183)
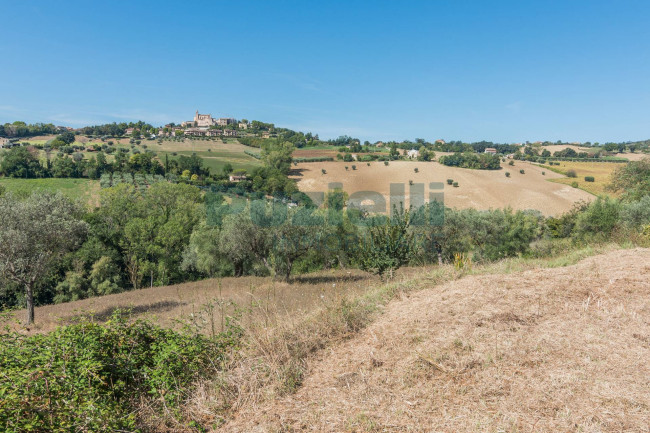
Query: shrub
(354, 167)
(599, 219)
(589, 179)
(511, 162)
(636, 213)
(455, 184)
(571, 173)
(416, 169)
(507, 174)
(543, 173)
(574, 184)
(522, 171)
(410, 182)
(385, 162)
(450, 181)
(323, 171)
(368, 164)
(90, 377)
(346, 167)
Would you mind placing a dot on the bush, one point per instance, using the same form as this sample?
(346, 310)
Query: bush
(599, 219)
(574, 184)
(507, 174)
(354, 167)
(450, 181)
(455, 184)
(589, 179)
(522, 171)
(636, 213)
(91, 377)
(543, 173)
(511, 162)
(571, 173)
(385, 162)
(416, 169)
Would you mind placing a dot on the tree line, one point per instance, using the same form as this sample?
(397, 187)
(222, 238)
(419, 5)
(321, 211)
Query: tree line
(56, 251)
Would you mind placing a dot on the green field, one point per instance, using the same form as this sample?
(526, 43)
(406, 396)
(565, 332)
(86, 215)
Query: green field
(216, 159)
(84, 189)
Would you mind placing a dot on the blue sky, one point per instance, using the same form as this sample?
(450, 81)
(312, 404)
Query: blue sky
(504, 71)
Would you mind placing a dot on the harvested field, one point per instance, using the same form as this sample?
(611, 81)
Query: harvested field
(480, 189)
(314, 153)
(543, 350)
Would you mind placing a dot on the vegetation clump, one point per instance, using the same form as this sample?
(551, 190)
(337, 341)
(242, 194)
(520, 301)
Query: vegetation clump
(92, 377)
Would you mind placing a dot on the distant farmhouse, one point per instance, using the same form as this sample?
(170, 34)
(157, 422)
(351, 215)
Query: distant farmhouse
(491, 150)
(3, 142)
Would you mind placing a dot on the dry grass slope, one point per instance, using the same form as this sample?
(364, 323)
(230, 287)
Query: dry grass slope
(563, 349)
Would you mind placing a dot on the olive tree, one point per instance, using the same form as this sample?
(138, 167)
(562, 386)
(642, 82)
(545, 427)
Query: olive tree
(34, 233)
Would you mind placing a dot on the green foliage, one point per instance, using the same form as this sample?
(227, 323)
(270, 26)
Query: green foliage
(599, 219)
(589, 179)
(91, 377)
(20, 162)
(636, 214)
(632, 179)
(389, 245)
(34, 233)
(455, 184)
(563, 225)
(450, 181)
(574, 184)
(522, 171)
(488, 235)
(484, 161)
(507, 174)
(571, 173)
(511, 162)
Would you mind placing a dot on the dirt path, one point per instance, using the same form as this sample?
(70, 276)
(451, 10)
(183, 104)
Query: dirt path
(559, 350)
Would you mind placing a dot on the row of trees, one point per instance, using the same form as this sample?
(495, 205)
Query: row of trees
(22, 129)
(480, 161)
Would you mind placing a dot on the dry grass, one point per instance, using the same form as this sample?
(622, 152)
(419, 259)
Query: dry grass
(201, 303)
(533, 350)
(601, 171)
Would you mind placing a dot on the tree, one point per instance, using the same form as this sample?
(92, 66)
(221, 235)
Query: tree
(21, 162)
(389, 245)
(633, 179)
(277, 156)
(34, 233)
(67, 137)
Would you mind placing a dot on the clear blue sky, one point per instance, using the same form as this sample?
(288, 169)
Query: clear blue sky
(505, 71)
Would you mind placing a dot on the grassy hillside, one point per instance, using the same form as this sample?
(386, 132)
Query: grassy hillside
(84, 189)
(601, 171)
